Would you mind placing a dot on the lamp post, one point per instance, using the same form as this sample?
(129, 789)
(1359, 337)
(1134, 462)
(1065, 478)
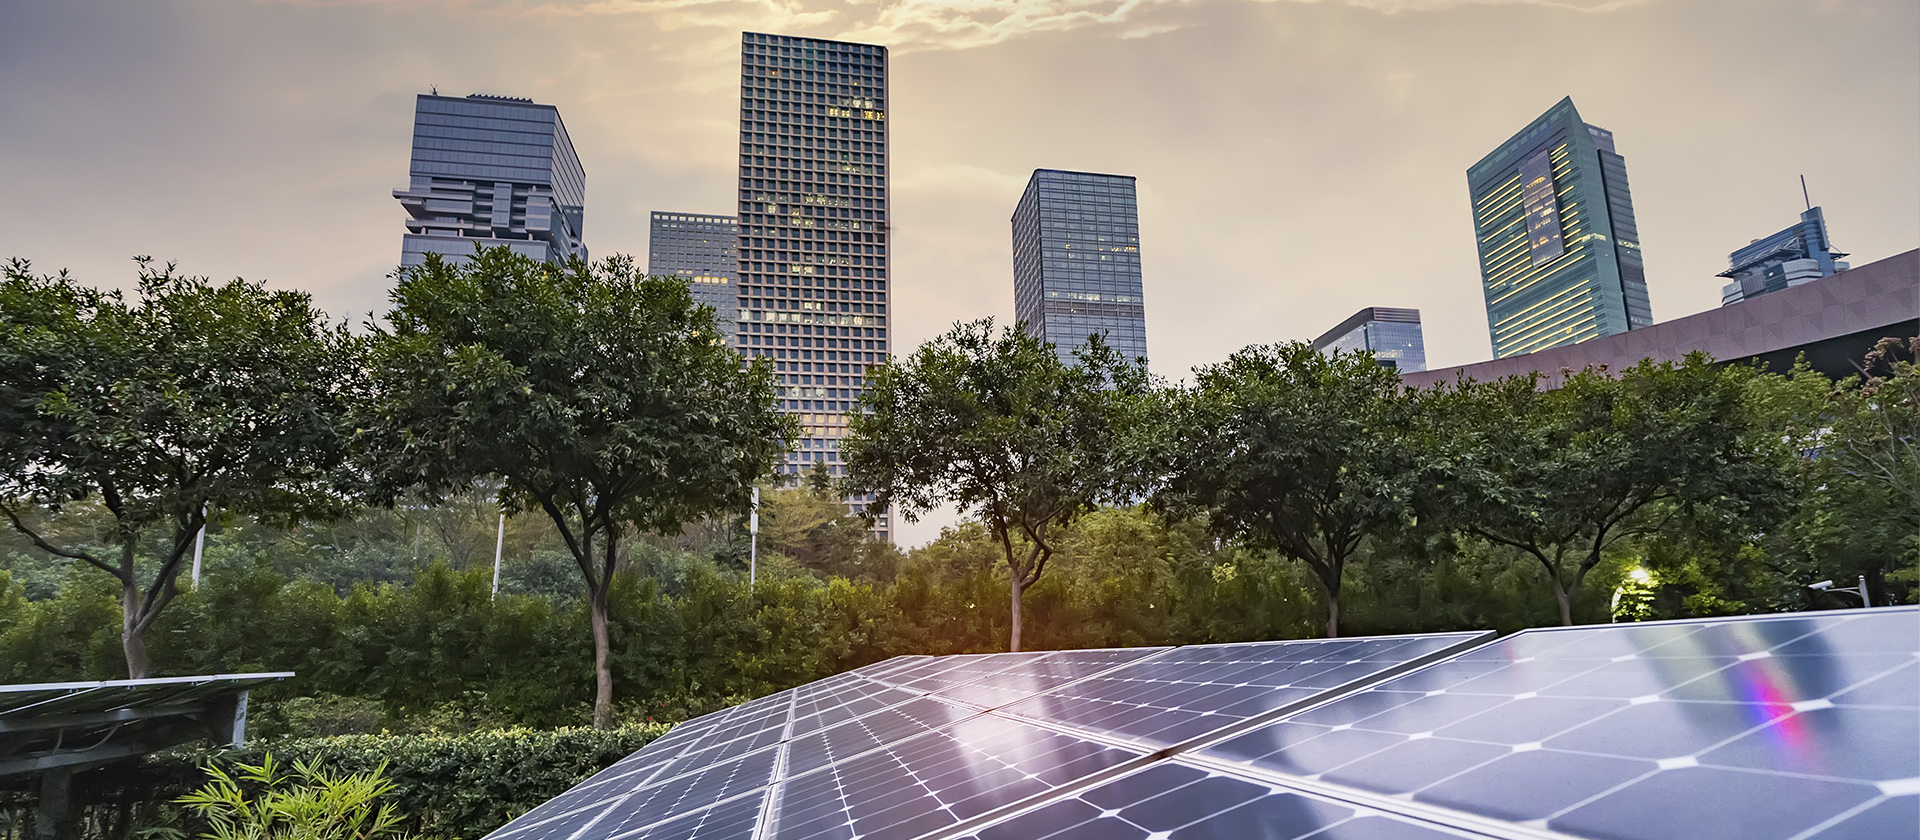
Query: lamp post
(499, 542)
(1827, 586)
(753, 544)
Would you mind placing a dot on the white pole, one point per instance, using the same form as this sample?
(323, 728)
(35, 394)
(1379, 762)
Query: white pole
(200, 543)
(753, 546)
(499, 541)
(1863, 592)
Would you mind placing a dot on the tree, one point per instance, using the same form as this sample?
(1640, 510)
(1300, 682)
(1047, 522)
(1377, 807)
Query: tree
(194, 396)
(1287, 449)
(1000, 426)
(1565, 475)
(595, 394)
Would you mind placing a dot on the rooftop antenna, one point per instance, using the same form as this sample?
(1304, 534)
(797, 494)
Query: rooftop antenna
(1803, 192)
(436, 92)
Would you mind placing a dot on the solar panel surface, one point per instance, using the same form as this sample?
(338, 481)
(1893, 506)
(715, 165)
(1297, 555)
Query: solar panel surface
(1793, 727)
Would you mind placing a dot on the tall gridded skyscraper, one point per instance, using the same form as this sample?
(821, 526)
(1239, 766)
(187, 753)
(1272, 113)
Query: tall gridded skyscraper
(813, 218)
(1559, 252)
(700, 248)
(492, 170)
(1392, 335)
(1076, 261)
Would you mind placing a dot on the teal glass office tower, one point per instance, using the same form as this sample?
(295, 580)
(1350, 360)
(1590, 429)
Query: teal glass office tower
(1559, 252)
(814, 269)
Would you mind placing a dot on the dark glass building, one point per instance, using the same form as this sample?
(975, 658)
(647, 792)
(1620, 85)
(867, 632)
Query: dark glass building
(700, 248)
(814, 234)
(1076, 261)
(1559, 252)
(1391, 335)
(1797, 255)
(492, 170)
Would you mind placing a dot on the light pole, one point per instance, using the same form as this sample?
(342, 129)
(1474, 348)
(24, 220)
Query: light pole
(199, 542)
(1827, 586)
(499, 541)
(753, 540)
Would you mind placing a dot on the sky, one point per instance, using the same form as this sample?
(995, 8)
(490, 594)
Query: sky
(1297, 159)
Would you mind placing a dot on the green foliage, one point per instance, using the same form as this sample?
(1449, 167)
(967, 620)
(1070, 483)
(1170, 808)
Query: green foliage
(1002, 428)
(604, 398)
(189, 397)
(307, 803)
(1286, 449)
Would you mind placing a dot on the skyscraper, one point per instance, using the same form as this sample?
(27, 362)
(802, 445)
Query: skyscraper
(700, 248)
(813, 275)
(1391, 335)
(1076, 261)
(1799, 254)
(1559, 253)
(492, 170)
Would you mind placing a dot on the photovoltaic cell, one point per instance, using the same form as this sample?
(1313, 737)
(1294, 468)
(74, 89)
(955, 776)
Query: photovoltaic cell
(734, 820)
(1762, 727)
(949, 671)
(1190, 692)
(1029, 677)
(935, 780)
(864, 733)
(1175, 801)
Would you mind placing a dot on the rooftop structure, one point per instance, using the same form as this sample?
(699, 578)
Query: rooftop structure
(1797, 255)
(493, 171)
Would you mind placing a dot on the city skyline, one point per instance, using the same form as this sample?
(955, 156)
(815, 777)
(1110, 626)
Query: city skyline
(1296, 161)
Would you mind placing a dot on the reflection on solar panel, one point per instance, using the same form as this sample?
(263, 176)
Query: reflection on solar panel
(1791, 727)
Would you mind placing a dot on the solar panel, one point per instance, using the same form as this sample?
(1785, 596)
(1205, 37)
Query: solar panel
(1750, 727)
(1192, 692)
(1793, 727)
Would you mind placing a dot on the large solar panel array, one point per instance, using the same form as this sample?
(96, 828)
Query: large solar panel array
(1791, 727)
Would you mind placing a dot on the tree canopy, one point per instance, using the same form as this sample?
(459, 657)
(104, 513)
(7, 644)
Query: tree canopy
(191, 396)
(595, 394)
(994, 422)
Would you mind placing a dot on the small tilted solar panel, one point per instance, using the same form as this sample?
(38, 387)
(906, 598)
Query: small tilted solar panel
(1786, 726)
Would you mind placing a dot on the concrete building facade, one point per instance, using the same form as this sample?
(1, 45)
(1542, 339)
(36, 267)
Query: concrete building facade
(814, 233)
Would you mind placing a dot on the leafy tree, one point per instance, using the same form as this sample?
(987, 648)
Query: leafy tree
(1565, 476)
(1287, 449)
(999, 425)
(810, 524)
(593, 393)
(192, 396)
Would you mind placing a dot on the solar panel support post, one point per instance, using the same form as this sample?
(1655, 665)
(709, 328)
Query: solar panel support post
(53, 818)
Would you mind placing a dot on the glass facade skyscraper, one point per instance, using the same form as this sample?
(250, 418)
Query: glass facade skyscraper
(492, 170)
(1799, 254)
(814, 234)
(699, 248)
(1559, 251)
(1391, 335)
(1076, 261)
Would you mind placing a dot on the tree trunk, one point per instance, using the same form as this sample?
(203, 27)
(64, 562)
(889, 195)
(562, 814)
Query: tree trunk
(1566, 602)
(1017, 590)
(1333, 614)
(131, 642)
(602, 676)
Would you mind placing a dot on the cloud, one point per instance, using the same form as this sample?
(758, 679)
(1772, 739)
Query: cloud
(915, 25)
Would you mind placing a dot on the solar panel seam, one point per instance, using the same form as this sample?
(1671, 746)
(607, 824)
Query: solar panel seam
(1044, 659)
(1264, 718)
(1405, 806)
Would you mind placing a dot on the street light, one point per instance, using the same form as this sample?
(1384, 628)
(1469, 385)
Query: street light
(1827, 586)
